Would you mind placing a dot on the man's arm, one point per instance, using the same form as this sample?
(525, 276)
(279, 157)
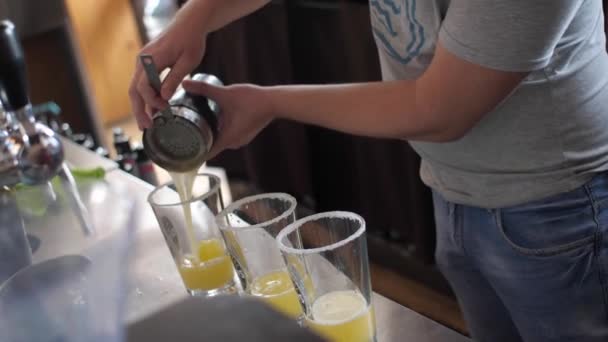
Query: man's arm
(215, 14)
(442, 105)
(485, 49)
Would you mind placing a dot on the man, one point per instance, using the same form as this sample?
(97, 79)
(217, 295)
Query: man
(507, 104)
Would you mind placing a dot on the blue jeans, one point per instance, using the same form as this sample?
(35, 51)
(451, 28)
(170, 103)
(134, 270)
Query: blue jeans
(535, 272)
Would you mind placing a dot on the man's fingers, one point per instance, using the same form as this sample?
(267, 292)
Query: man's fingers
(138, 106)
(142, 96)
(218, 146)
(149, 95)
(205, 89)
(183, 66)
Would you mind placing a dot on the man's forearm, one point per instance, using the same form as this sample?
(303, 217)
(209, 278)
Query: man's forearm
(377, 109)
(215, 14)
(443, 105)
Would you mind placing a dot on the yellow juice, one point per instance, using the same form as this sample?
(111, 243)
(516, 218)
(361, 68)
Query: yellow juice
(210, 269)
(278, 291)
(342, 316)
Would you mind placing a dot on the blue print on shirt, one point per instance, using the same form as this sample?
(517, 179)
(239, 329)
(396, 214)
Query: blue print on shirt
(388, 14)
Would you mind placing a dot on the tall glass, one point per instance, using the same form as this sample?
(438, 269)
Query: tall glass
(332, 274)
(193, 237)
(250, 227)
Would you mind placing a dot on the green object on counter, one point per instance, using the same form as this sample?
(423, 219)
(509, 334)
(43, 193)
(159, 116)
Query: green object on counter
(35, 199)
(96, 173)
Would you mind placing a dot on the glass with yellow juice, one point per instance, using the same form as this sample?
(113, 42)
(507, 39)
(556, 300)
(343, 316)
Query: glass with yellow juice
(249, 227)
(212, 270)
(185, 209)
(342, 316)
(278, 291)
(332, 275)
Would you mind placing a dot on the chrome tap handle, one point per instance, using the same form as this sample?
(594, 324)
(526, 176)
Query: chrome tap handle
(41, 152)
(10, 145)
(9, 165)
(4, 117)
(13, 80)
(12, 69)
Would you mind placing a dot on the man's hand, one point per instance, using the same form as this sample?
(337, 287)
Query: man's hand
(245, 112)
(181, 48)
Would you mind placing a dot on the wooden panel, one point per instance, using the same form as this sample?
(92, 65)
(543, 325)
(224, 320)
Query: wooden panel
(53, 75)
(108, 39)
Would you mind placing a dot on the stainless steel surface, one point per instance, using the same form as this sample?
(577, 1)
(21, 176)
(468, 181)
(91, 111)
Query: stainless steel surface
(207, 78)
(3, 116)
(25, 117)
(183, 133)
(155, 283)
(42, 157)
(83, 158)
(15, 252)
(30, 152)
(78, 207)
(179, 143)
(9, 165)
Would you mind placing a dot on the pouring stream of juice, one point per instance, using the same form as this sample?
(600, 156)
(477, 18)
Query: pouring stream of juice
(183, 184)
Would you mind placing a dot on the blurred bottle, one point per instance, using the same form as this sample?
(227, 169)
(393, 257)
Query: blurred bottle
(48, 113)
(125, 156)
(102, 152)
(145, 166)
(54, 124)
(85, 140)
(125, 165)
(122, 143)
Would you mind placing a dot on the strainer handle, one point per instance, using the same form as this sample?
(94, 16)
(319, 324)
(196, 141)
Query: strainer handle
(154, 79)
(151, 72)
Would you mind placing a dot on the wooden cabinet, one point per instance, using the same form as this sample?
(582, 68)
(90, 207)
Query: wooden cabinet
(108, 41)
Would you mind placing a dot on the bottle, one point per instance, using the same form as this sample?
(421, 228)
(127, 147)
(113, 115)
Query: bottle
(66, 130)
(125, 165)
(124, 152)
(102, 152)
(85, 140)
(145, 166)
(122, 143)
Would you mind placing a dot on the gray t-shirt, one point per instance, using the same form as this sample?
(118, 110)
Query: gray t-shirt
(551, 134)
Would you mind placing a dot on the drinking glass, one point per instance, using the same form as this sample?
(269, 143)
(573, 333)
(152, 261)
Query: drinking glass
(193, 237)
(250, 227)
(331, 274)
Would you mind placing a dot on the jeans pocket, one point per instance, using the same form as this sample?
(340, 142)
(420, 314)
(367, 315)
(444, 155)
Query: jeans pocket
(552, 226)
